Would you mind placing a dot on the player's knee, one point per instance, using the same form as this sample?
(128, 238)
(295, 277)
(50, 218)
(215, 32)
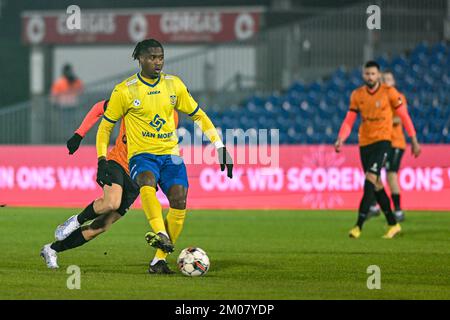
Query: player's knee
(372, 178)
(114, 205)
(378, 185)
(90, 233)
(101, 206)
(146, 179)
(96, 233)
(392, 176)
(177, 201)
(177, 197)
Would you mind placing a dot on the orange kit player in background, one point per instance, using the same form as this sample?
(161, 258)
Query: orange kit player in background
(116, 199)
(376, 103)
(394, 157)
(396, 153)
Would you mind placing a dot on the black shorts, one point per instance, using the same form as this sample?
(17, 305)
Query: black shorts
(373, 156)
(130, 189)
(393, 160)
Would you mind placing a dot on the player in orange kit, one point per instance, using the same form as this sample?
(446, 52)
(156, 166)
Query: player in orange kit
(394, 157)
(376, 103)
(395, 154)
(116, 199)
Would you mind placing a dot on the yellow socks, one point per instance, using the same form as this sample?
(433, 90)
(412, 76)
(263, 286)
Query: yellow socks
(174, 224)
(152, 209)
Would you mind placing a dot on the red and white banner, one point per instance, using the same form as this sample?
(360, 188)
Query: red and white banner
(130, 26)
(307, 177)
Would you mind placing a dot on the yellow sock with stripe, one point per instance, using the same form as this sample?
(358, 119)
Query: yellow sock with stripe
(174, 224)
(152, 209)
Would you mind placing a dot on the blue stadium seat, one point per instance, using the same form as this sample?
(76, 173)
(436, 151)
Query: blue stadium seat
(440, 47)
(313, 113)
(270, 108)
(400, 61)
(420, 59)
(315, 87)
(422, 47)
(274, 99)
(297, 87)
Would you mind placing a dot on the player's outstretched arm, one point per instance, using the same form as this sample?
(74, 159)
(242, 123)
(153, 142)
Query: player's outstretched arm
(402, 112)
(88, 122)
(346, 129)
(187, 105)
(208, 128)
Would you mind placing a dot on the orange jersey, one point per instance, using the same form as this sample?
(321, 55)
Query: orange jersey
(398, 137)
(64, 92)
(377, 111)
(119, 153)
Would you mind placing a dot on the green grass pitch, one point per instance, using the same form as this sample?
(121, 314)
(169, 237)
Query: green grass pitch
(254, 255)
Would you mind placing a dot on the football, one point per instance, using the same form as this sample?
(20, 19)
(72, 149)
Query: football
(193, 262)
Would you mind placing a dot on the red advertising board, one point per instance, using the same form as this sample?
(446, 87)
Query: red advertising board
(125, 26)
(305, 177)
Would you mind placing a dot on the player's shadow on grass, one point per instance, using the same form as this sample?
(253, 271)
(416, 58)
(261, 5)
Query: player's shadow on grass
(226, 264)
(137, 268)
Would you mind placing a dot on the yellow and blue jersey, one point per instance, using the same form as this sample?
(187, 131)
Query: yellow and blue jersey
(147, 106)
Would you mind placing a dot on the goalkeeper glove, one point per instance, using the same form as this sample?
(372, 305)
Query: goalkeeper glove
(225, 161)
(74, 143)
(103, 176)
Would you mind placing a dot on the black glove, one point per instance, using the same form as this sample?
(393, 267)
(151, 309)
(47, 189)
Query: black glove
(225, 160)
(103, 176)
(74, 143)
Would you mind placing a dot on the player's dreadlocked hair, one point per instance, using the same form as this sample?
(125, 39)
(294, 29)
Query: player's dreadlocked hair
(144, 45)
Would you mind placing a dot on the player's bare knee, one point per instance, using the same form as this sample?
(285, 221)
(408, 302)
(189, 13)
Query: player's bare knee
(114, 205)
(392, 176)
(372, 178)
(146, 179)
(88, 233)
(177, 197)
(101, 207)
(97, 232)
(379, 186)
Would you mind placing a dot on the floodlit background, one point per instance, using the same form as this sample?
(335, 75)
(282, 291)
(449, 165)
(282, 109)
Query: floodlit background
(265, 55)
(271, 64)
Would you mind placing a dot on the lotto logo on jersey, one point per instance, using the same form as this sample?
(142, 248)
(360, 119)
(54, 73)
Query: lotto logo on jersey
(157, 122)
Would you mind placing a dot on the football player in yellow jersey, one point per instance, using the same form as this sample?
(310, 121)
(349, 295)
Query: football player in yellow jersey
(147, 101)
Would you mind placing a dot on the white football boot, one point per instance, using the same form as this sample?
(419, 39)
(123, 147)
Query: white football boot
(50, 257)
(65, 229)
